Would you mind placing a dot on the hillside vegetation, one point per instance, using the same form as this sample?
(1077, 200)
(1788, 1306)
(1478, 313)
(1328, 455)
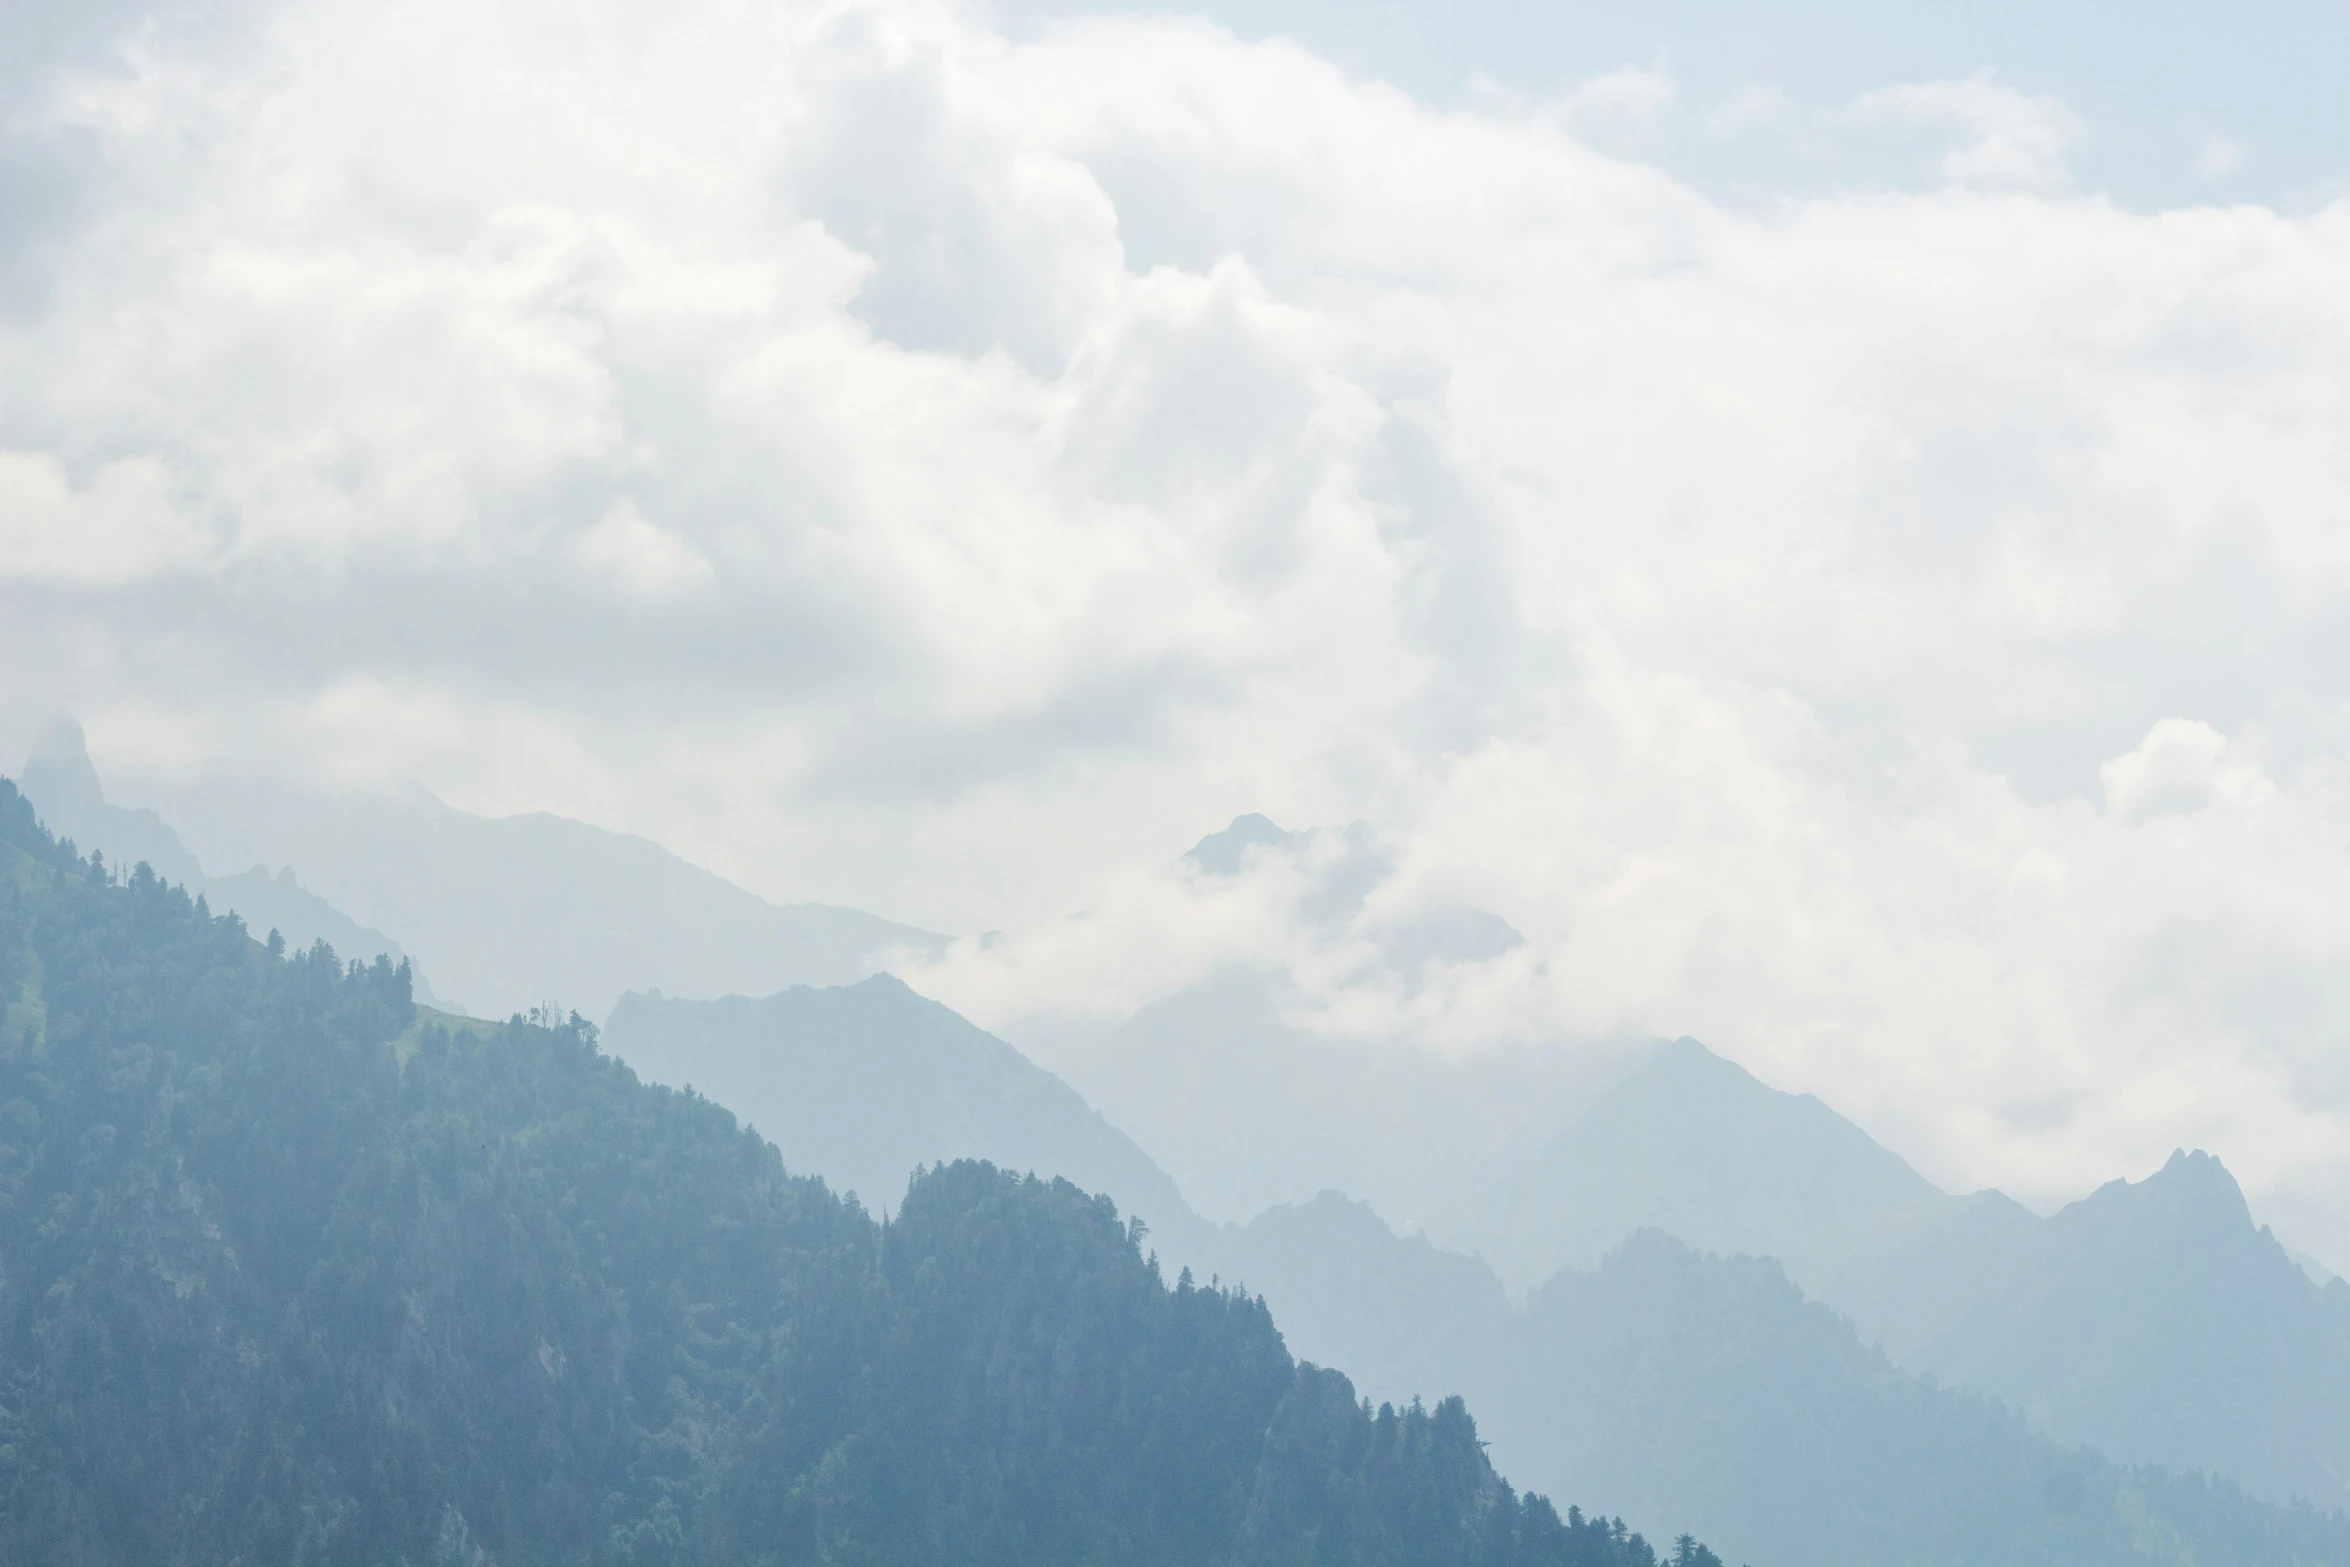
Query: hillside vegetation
(291, 1271)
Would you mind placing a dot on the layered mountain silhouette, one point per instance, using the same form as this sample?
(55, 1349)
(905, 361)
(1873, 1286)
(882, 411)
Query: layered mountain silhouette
(2155, 1320)
(509, 913)
(1410, 1319)
(63, 786)
(1694, 1145)
(293, 1271)
(1709, 1388)
(1662, 1215)
(872, 1080)
(1248, 1110)
(866, 1082)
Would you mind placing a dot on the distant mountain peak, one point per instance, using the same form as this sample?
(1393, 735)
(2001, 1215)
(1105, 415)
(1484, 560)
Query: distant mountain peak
(2199, 1166)
(1449, 935)
(1690, 1065)
(1331, 1202)
(58, 768)
(1691, 1142)
(2192, 1194)
(1687, 1054)
(1221, 853)
(2201, 1180)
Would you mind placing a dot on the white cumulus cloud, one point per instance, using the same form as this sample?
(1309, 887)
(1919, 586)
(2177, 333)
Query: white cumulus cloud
(1891, 636)
(2005, 137)
(123, 523)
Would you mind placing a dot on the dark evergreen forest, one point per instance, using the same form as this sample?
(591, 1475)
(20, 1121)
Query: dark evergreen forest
(291, 1272)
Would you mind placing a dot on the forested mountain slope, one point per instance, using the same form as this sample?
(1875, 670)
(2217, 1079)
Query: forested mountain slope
(2191, 1343)
(290, 1272)
(1408, 1319)
(865, 1082)
(63, 787)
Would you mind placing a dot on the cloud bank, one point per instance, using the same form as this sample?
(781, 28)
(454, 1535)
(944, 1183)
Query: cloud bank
(1894, 637)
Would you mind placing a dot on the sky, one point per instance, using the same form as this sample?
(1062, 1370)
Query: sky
(2159, 104)
(1836, 528)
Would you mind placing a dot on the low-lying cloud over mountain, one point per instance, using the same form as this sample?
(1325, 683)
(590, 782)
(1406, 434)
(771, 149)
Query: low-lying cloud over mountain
(1889, 634)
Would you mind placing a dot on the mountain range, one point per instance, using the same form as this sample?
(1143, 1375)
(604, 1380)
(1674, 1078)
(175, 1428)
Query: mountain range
(1709, 1388)
(2153, 1321)
(2157, 1322)
(63, 786)
(293, 1270)
(868, 1081)
(504, 913)
(1692, 1144)
(2226, 1374)
(1248, 1109)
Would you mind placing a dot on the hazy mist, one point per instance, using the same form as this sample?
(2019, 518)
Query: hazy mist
(1423, 643)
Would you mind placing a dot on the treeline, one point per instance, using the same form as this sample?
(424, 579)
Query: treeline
(290, 1273)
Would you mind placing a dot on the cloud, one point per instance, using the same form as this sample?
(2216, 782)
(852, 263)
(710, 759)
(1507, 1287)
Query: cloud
(1750, 106)
(2218, 157)
(638, 557)
(905, 466)
(1627, 93)
(2181, 765)
(2009, 138)
(122, 524)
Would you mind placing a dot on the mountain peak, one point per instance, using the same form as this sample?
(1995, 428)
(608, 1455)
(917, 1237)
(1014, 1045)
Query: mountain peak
(2196, 1166)
(2200, 1179)
(1693, 1055)
(1221, 853)
(2194, 1188)
(58, 771)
